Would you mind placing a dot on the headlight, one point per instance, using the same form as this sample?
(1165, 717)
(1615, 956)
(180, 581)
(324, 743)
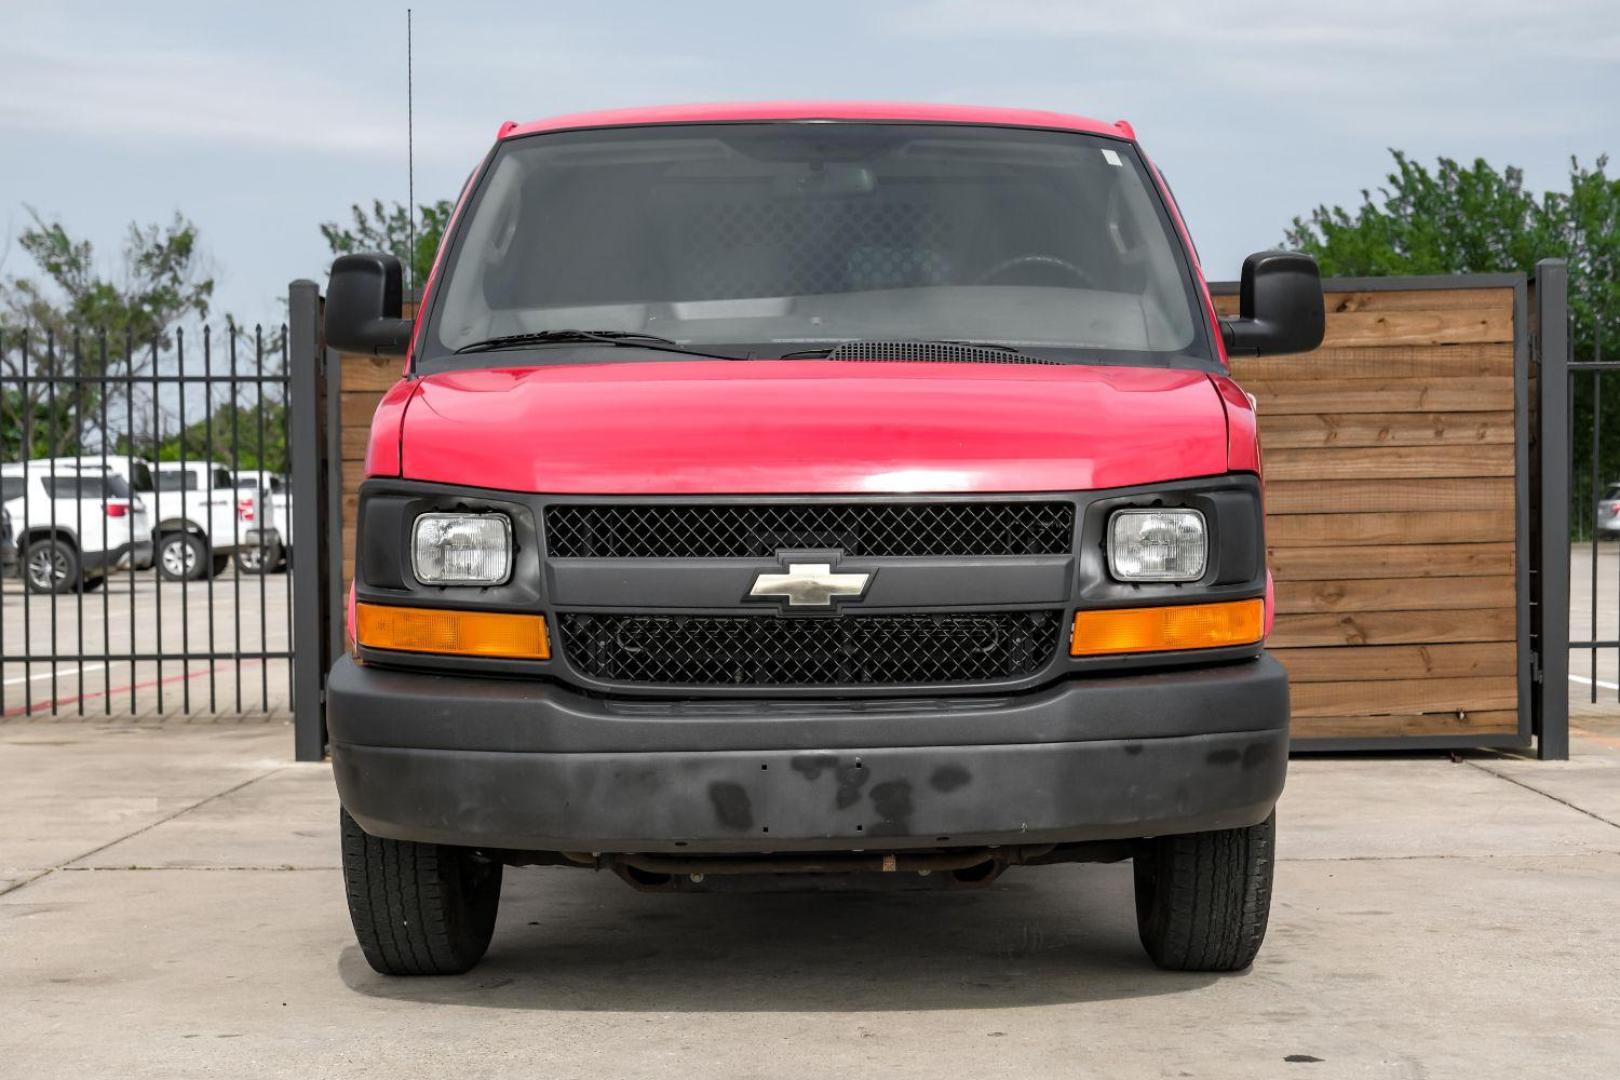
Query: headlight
(1157, 545)
(461, 549)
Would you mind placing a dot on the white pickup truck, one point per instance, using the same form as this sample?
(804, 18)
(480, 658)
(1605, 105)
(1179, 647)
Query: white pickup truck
(200, 517)
(274, 542)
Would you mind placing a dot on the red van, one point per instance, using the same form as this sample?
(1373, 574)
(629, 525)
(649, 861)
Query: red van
(805, 489)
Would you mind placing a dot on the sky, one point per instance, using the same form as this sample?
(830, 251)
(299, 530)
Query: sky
(260, 121)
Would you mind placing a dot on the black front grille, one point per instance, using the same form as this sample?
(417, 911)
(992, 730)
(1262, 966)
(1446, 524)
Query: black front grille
(760, 530)
(773, 650)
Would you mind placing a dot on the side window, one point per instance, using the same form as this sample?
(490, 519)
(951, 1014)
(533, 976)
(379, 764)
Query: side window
(11, 487)
(222, 479)
(77, 487)
(141, 475)
(173, 480)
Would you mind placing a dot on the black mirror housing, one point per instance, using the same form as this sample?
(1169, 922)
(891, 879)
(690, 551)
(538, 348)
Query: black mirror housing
(364, 300)
(1280, 306)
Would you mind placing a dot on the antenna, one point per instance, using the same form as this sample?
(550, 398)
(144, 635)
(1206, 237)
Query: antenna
(410, 155)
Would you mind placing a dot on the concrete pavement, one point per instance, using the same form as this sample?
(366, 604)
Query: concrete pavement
(174, 910)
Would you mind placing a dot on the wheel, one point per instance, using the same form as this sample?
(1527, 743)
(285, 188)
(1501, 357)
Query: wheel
(260, 560)
(418, 909)
(1202, 899)
(182, 556)
(51, 566)
(218, 565)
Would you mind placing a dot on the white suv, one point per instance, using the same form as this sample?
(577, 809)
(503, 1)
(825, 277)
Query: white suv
(75, 521)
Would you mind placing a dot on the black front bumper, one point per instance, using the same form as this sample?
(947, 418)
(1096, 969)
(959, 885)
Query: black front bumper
(534, 766)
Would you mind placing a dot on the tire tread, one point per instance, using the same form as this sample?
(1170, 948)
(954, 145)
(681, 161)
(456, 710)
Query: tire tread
(1204, 898)
(405, 905)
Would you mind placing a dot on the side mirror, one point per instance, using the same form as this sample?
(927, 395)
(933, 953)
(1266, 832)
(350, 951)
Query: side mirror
(1280, 307)
(363, 302)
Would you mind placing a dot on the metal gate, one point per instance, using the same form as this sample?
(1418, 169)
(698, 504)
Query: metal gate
(148, 494)
(1579, 563)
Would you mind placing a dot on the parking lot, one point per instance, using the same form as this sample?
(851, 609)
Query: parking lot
(233, 614)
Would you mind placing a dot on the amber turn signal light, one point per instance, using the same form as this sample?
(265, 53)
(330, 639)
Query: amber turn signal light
(452, 633)
(1162, 629)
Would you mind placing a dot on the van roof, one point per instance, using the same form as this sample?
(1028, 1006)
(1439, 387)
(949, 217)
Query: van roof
(742, 112)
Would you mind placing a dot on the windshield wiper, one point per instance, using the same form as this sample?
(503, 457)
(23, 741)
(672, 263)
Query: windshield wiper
(628, 339)
(850, 349)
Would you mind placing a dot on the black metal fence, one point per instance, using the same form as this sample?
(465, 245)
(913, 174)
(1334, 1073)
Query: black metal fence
(148, 493)
(1594, 583)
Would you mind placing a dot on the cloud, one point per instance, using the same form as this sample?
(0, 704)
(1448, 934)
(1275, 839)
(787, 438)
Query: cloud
(170, 94)
(1562, 28)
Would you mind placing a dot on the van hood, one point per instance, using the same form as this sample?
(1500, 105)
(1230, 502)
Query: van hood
(811, 427)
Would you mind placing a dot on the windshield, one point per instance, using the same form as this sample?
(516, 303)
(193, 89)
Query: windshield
(766, 238)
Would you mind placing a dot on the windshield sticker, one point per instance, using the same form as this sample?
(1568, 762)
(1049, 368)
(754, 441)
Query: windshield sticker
(1111, 157)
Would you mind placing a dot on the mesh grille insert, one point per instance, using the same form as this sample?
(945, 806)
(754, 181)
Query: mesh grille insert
(944, 352)
(849, 650)
(749, 531)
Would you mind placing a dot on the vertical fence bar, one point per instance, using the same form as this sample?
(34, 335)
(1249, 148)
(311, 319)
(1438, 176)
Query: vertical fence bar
(51, 362)
(1597, 428)
(1552, 508)
(236, 529)
(310, 605)
(157, 484)
(129, 445)
(26, 403)
(205, 496)
(79, 488)
(208, 441)
(260, 521)
(107, 581)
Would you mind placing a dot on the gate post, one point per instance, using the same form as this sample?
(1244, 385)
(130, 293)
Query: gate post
(312, 615)
(1550, 535)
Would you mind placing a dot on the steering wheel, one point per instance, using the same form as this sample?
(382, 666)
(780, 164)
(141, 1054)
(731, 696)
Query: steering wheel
(1041, 262)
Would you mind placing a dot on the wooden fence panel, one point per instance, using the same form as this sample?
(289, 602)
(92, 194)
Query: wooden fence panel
(1390, 464)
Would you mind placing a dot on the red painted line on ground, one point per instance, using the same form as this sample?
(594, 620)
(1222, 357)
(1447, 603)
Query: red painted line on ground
(41, 706)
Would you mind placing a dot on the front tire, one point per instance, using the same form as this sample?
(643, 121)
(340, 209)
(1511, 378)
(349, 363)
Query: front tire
(1202, 899)
(182, 556)
(254, 559)
(418, 909)
(51, 567)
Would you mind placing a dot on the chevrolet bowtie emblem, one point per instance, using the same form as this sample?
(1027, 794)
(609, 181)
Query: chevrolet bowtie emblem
(810, 584)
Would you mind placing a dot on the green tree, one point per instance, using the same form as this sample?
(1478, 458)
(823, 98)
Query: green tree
(387, 228)
(1456, 219)
(69, 317)
(234, 427)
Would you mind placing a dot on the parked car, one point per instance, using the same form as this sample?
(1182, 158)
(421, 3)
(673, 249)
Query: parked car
(806, 489)
(74, 521)
(1608, 514)
(267, 550)
(200, 518)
